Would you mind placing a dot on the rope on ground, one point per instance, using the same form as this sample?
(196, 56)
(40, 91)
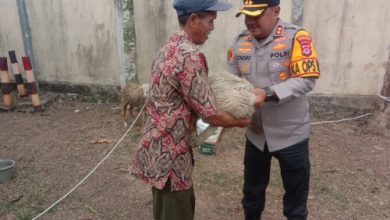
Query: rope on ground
(350, 119)
(341, 120)
(384, 97)
(128, 130)
(93, 170)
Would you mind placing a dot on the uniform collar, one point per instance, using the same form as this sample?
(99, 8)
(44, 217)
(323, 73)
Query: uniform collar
(278, 31)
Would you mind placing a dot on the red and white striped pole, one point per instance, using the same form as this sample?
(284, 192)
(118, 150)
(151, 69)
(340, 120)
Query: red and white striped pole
(6, 84)
(31, 86)
(17, 73)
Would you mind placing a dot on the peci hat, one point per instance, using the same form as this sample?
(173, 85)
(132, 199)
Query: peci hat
(256, 7)
(187, 7)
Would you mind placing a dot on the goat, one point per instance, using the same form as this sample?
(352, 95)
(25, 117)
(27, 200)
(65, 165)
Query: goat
(132, 100)
(233, 95)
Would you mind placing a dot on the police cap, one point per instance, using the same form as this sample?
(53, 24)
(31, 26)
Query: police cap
(256, 7)
(187, 7)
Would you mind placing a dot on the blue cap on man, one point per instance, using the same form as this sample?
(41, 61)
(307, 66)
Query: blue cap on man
(187, 7)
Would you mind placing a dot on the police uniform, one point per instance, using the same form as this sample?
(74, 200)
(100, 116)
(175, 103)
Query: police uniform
(284, 63)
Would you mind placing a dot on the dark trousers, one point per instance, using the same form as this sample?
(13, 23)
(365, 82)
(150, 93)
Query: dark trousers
(295, 171)
(177, 205)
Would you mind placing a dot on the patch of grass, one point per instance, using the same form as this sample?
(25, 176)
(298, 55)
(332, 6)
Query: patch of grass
(216, 182)
(32, 190)
(329, 190)
(23, 213)
(275, 178)
(134, 137)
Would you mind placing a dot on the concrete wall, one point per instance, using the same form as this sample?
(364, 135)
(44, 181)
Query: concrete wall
(351, 38)
(74, 41)
(10, 33)
(353, 42)
(155, 21)
(77, 42)
(93, 42)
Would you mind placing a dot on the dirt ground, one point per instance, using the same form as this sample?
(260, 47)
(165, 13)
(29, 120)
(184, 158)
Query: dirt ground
(54, 150)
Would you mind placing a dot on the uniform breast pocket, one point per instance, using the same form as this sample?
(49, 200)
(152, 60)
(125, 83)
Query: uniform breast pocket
(245, 68)
(279, 69)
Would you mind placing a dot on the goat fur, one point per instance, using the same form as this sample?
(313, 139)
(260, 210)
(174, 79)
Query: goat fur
(132, 100)
(233, 95)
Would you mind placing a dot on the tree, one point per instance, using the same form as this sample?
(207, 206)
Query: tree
(381, 120)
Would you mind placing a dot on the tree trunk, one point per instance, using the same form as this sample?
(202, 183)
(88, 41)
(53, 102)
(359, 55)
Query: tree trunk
(381, 120)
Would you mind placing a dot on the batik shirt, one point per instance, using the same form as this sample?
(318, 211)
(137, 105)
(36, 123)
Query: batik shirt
(178, 94)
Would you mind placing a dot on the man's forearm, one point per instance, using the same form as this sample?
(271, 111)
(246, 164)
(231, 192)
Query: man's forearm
(224, 119)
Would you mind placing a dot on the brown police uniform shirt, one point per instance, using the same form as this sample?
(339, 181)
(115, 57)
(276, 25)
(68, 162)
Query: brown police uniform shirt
(287, 62)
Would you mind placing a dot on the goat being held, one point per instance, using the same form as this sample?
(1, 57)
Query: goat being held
(233, 95)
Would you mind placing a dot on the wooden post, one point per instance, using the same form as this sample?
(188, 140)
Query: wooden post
(6, 84)
(18, 74)
(31, 86)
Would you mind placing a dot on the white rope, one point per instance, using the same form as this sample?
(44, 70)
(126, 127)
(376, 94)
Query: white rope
(121, 139)
(350, 119)
(345, 119)
(384, 97)
(93, 170)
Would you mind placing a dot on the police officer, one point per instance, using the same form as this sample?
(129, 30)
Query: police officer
(279, 59)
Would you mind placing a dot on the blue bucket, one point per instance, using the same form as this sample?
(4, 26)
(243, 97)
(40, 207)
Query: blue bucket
(6, 167)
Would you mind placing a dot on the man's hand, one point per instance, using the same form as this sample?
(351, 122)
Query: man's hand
(242, 123)
(224, 119)
(260, 97)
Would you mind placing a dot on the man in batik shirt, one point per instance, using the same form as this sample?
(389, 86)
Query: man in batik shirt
(178, 94)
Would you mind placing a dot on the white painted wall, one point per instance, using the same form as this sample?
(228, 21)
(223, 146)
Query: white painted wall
(352, 39)
(10, 33)
(157, 20)
(353, 43)
(74, 41)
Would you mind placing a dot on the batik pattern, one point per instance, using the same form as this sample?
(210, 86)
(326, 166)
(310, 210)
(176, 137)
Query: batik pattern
(178, 94)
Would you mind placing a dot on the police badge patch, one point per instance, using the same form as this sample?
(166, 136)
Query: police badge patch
(305, 42)
(230, 54)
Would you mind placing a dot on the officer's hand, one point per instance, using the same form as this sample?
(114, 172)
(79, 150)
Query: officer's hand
(260, 97)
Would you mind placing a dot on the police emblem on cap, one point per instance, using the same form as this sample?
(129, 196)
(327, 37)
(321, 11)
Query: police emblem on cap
(256, 7)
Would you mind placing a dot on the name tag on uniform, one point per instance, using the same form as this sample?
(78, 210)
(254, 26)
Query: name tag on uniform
(280, 54)
(243, 57)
